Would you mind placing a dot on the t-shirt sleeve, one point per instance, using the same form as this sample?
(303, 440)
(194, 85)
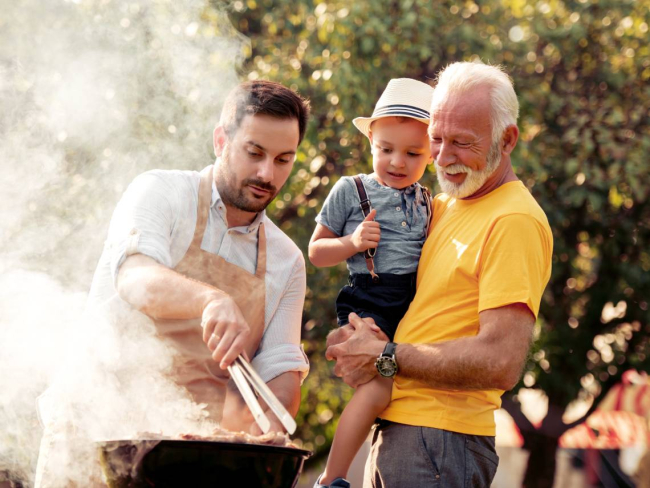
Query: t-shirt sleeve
(143, 220)
(515, 264)
(338, 206)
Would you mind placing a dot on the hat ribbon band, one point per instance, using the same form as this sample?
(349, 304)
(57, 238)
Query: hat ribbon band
(408, 110)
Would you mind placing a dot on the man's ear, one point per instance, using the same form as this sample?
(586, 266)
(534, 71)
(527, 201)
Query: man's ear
(509, 140)
(218, 140)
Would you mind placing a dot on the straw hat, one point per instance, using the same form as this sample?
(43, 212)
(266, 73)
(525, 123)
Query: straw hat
(403, 97)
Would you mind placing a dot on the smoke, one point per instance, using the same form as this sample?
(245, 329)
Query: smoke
(92, 93)
(30, 343)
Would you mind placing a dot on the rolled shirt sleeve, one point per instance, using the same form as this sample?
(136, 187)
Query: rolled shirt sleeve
(280, 350)
(143, 221)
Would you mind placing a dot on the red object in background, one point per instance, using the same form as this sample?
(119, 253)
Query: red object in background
(622, 418)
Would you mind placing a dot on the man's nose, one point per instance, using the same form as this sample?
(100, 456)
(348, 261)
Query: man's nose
(443, 154)
(265, 169)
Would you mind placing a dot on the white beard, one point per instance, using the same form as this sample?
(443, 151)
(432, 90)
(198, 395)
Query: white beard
(474, 179)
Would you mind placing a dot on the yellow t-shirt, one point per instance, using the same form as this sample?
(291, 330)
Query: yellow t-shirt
(482, 254)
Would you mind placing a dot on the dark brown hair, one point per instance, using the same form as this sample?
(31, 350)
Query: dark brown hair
(266, 98)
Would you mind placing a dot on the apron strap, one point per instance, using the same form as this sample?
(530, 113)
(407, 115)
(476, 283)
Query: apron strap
(261, 252)
(203, 207)
(203, 210)
(429, 203)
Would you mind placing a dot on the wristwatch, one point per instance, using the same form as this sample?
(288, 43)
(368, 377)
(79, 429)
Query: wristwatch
(386, 363)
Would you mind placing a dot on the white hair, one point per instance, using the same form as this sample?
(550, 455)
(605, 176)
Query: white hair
(464, 77)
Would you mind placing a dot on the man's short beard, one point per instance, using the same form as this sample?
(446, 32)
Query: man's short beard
(233, 194)
(474, 179)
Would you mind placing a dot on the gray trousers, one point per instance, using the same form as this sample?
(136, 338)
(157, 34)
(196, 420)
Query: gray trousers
(410, 456)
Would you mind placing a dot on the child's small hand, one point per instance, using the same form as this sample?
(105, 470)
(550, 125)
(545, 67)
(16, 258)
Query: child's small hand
(367, 233)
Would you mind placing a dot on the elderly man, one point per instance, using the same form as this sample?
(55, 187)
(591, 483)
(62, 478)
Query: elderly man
(466, 334)
(196, 253)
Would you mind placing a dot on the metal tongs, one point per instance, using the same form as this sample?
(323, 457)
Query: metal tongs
(245, 376)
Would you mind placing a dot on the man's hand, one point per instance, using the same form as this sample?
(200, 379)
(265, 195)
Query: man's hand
(276, 425)
(356, 355)
(237, 416)
(162, 293)
(225, 329)
(344, 332)
(367, 234)
(337, 336)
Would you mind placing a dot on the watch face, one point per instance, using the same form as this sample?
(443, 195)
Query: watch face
(386, 366)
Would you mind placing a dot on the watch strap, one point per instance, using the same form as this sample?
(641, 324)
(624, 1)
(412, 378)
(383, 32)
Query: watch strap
(390, 349)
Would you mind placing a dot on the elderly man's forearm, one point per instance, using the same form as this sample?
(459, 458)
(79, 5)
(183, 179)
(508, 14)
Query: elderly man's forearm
(459, 364)
(491, 360)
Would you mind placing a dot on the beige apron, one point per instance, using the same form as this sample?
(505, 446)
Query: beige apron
(194, 367)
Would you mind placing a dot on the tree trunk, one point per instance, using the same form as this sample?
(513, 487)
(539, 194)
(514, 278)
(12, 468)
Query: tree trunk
(541, 442)
(540, 470)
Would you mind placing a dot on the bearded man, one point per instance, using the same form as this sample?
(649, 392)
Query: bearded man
(196, 253)
(483, 270)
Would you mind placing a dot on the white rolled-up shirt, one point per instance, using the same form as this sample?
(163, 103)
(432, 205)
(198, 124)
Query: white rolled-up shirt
(156, 217)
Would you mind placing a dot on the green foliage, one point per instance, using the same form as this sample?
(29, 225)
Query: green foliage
(585, 140)
(581, 70)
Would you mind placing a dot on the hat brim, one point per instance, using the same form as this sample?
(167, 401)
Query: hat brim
(363, 123)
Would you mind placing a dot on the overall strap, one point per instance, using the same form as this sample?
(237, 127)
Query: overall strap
(428, 199)
(364, 203)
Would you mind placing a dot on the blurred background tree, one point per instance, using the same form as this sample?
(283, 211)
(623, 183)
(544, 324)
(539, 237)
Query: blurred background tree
(581, 71)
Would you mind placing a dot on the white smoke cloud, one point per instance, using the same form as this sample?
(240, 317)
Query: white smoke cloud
(34, 312)
(92, 93)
